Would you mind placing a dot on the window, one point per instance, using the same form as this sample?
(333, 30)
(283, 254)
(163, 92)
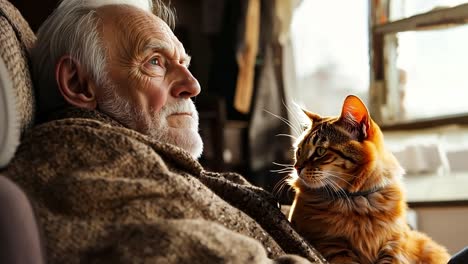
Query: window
(330, 46)
(419, 60)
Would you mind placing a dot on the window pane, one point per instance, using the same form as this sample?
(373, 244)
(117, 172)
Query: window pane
(400, 9)
(433, 69)
(330, 47)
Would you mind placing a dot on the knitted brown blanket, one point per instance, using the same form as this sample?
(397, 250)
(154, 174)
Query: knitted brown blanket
(107, 194)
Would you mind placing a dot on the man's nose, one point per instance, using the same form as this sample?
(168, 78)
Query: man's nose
(186, 85)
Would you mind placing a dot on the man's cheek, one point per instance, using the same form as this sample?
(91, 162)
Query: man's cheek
(156, 99)
(156, 94)
(157, 103)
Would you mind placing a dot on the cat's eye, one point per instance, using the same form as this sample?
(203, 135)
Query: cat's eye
(320, 151)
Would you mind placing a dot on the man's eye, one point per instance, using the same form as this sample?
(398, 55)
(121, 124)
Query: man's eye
(154, 61)
(320, 151)
(154, 66)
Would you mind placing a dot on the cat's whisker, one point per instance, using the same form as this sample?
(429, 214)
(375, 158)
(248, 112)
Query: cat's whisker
(284, 165)
(283, 169)
(334, 194)
(289, 190)
(344, 174)
(327, 189)
(277, 186)
(287, 135)
(339, 191)
(343, 192)
(298, 112)
(282, 172)
(293, 113)
(280, 187)
(329, 174)
(336, 190)
(287, 122)
(344, 195)
(289, 169)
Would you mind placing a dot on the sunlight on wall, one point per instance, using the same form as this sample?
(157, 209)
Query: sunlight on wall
(330, 43)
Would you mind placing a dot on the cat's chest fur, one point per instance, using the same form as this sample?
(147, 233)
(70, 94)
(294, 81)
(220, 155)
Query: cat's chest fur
(363, 224)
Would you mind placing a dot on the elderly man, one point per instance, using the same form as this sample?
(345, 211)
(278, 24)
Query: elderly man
(112, 169)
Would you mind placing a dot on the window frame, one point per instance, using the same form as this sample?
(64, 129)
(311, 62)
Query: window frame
(382, 56)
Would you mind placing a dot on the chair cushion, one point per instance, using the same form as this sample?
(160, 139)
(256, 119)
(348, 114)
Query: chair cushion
(16, 90)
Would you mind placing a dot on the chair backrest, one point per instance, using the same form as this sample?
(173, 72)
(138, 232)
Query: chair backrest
(20, 240)
(19, 235)
(16, 89)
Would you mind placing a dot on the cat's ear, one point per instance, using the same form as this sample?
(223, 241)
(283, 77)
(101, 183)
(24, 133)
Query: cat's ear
(356, 118)
(313, 117)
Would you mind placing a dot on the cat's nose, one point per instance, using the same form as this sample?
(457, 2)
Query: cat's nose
(298, 169)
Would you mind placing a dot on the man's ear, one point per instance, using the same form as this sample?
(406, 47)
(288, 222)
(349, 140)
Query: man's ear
(75, 84)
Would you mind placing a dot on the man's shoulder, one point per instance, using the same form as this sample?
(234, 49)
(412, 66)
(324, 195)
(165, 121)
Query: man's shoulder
(81, 131)
(74, 148)
(82, 127)
(82, 142)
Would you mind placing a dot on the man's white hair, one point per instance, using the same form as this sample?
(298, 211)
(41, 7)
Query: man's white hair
(143, 4)
(72, 29)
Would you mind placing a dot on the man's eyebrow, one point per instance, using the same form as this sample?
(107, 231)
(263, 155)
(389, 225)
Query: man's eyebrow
(152, 45)
(164, 48)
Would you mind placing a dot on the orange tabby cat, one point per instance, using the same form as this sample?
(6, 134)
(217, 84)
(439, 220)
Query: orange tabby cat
(349, 200)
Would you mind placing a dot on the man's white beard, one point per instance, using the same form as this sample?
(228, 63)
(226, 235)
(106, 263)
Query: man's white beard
(187, 138)
(155, 126)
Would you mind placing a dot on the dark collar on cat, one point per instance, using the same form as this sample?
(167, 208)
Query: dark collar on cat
(363, 193)
(341, 194)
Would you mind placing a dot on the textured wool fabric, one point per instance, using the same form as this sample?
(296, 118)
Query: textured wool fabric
(16, 39)
(16, 93)
(107, 194)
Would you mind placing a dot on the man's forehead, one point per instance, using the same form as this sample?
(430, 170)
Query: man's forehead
(142, 30)
(126, 17)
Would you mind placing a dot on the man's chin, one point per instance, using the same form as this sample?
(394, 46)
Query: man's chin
(186, 138)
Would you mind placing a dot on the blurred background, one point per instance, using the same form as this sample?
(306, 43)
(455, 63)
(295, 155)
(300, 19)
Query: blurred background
(259, 60)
